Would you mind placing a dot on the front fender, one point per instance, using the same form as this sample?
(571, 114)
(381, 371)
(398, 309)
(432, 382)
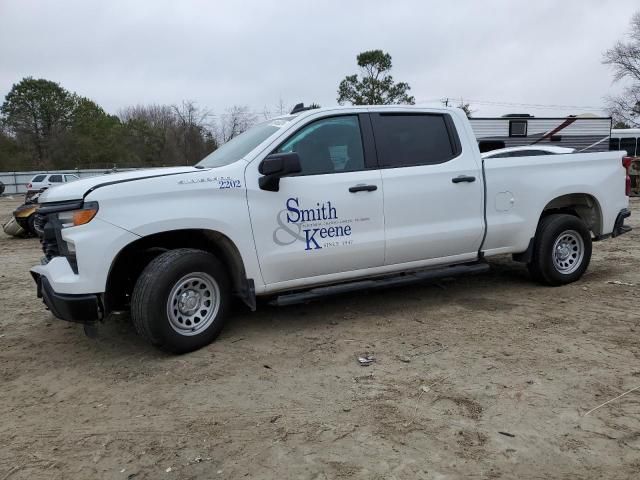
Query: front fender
(163, 205)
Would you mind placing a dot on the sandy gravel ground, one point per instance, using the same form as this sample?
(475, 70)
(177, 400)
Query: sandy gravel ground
(479, 377)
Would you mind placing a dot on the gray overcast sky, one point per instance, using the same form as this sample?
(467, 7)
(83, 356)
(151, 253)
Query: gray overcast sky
(221, 53)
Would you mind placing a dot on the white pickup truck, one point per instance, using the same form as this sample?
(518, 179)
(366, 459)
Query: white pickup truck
(314, 203)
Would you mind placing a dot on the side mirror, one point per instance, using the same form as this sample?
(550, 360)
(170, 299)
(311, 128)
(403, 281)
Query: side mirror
(276, 166)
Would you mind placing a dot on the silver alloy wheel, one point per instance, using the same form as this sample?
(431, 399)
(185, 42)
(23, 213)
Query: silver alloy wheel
(193, 303)
(568, 252)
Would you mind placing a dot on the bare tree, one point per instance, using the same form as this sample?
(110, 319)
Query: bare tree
(158, 116)
(267, 113)
(189, 114)
(624, 58)
(465, 106)
(193, 125)
(234, 121)
(281, 108)
(169, 134)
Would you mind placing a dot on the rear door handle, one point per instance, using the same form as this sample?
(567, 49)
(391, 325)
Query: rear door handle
(363, 188)
(463, 178)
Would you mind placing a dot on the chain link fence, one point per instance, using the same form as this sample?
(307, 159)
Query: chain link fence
(15, 183)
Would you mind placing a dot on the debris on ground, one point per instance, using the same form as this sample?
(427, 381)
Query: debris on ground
(609, 401)
(618, 282)
(366, 360)
(427, 388)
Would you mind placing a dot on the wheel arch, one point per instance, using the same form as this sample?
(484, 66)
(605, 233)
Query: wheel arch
(585, 206)
(135, 256)
(582, 205)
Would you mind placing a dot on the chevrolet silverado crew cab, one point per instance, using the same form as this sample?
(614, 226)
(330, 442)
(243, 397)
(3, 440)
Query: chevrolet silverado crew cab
(313, 203)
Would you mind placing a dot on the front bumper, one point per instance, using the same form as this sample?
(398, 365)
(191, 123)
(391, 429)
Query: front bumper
(22, 214)
(84, 308)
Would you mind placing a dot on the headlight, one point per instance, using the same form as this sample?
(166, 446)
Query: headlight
(73, 218)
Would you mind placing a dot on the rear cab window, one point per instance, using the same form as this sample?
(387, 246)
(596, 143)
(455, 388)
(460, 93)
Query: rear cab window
(410, 139)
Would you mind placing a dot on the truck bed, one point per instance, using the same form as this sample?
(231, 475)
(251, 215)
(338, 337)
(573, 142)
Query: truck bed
(519, 188)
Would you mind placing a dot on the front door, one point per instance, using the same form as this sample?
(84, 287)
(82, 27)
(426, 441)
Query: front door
(329, 218)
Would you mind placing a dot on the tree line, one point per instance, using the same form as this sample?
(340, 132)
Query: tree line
(44, 126)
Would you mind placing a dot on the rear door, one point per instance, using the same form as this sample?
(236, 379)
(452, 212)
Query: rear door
(433, 188)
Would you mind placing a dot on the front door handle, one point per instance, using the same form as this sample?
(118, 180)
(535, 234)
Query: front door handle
(463, 178)
(363, 188)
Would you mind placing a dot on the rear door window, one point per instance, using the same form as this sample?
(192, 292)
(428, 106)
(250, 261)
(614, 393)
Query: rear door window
(408, 139)
(55, 178)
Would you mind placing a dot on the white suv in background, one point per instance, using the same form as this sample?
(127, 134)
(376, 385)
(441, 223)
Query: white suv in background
(46, 180)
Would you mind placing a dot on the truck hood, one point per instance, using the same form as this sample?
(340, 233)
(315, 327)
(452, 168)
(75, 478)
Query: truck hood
(78, 189)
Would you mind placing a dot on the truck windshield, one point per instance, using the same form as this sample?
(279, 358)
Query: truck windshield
(238, 147)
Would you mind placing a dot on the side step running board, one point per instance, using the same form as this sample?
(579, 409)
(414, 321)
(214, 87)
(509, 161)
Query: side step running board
(383, 282)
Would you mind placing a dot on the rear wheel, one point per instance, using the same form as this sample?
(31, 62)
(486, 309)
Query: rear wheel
(562, 250)
(180, 300)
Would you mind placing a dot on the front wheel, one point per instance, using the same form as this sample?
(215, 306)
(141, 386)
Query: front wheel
(34, 227)
(562, 250)
(180, 300)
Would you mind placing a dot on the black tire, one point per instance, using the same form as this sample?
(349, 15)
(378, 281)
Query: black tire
(31, 225)
(167, 275)
(569, 265)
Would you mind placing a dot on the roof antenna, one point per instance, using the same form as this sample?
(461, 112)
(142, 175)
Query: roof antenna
(298, 108)
(301, 108)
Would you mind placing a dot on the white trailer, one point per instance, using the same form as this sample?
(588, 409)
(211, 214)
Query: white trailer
(584, 134)
(627, 139)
